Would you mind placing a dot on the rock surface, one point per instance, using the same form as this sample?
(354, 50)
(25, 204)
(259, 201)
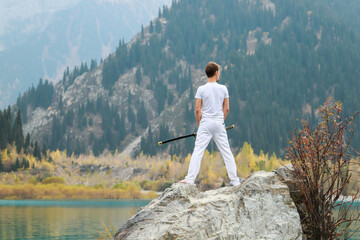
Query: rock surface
(286, 176)
(260, 208)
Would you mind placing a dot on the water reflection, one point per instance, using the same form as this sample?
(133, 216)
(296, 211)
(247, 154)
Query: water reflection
(55, 220)
(62, 222)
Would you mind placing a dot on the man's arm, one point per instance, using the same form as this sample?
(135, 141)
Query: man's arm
(198, 104)
(226, 107)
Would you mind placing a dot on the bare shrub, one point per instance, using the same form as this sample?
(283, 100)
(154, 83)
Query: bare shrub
(322, 161)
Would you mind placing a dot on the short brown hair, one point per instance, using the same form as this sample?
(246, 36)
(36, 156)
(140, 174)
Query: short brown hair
(211, 68)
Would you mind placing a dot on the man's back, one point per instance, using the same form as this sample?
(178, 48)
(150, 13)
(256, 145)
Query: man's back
(212, 95)
(211, 107)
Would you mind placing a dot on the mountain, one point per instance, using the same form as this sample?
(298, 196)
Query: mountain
(41, 38)
(280, 60)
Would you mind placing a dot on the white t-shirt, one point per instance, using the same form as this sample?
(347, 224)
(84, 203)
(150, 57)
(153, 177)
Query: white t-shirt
(212, 95)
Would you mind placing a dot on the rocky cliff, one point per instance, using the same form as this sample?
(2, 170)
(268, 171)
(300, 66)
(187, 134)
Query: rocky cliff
(41, 38)
(260, 208)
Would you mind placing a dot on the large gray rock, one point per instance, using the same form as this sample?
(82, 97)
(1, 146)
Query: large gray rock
(286, 175)
(260, 208)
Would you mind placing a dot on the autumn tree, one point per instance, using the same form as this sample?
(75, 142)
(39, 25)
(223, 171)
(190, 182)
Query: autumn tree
(322, 160)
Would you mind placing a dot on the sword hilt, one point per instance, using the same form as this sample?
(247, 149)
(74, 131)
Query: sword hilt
(230, 127)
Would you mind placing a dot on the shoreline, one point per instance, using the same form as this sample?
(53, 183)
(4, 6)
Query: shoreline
(76, 203)
(56, 191)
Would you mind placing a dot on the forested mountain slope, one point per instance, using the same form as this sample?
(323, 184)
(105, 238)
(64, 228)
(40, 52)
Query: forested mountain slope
(280, 60)
(42, 37)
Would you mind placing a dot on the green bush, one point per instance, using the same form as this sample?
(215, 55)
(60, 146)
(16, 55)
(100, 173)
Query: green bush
(126, 185)
(50, 180)
(164, 185)
(33, 181)
(99, 186)
(147, 185)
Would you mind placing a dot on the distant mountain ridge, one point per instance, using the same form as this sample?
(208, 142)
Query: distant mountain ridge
(41, 38)
(280, 61)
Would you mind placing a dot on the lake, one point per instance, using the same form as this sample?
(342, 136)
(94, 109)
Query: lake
(55, 220)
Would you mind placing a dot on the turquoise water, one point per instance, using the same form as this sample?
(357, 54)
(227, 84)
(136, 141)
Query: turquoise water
(353, 231)
(55, 220)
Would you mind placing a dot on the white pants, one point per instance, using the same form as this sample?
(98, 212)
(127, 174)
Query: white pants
(212, 128)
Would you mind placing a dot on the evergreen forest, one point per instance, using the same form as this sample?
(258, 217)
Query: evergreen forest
(11, 136)
(280, 60)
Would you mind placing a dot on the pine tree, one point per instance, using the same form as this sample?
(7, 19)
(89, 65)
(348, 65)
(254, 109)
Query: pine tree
(7, 126)
(93, 64)
(61, 106)
(99, 146)
(165, 11)
(191, 93)
(57, 130)
(1, 165)
(151, 28)
(143, 145)
(69, 146)
(141, 116)
(78, 148)
(170, 98)
(122, 129)
(3, 139)
(44, 150)
(27, 143)
(138, 76)
(17, 132)
(17, 164)
(150, 144)
(69, 118)
(160, 95)
(64, 78)
(158, 26)
(37, 153)
(142, 32)
(131, 118)
(24, 163)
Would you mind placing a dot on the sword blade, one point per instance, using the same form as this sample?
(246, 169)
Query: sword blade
(186, 136)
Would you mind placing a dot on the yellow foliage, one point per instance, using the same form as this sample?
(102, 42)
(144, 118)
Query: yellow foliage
(12, 151)
(211, 175)
(156, 173)
(56, 156)
(55, 191)
(5, 155)
(46, 166)
(252, 164)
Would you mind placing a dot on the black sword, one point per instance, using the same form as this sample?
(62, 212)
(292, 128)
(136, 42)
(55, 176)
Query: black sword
(186, 136)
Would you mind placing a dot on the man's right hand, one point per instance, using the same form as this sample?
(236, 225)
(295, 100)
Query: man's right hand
(198, 104)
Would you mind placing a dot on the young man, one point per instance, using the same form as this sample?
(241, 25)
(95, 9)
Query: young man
(212, 107)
